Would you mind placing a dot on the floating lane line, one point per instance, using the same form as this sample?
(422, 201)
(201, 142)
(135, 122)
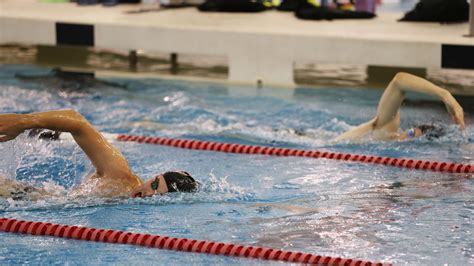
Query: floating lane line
(172, 243)
(272, 151)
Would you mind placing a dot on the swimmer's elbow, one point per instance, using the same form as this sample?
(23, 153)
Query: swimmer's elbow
(401, 78)
(79, 122)
(72, 114)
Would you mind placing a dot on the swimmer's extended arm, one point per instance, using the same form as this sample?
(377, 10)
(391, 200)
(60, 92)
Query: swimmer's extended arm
(394, 94)
(106, 158)
(388, 116)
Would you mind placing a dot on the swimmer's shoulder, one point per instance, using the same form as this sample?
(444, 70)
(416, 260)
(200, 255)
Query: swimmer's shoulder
(107, 185)
(381, 134)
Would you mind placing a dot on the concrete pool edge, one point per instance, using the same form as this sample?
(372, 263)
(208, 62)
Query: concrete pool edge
(261, 48)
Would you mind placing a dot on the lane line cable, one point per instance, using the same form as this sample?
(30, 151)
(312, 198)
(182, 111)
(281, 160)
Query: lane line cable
(253, 149)
(172, 243)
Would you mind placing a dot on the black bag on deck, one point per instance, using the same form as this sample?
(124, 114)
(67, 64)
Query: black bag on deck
(288, 5)
(305, 10)
(233, 6)
(318, 13)
(439, 11)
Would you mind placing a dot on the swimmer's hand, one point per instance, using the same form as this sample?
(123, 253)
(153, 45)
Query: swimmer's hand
(454, 109)
(10, 126)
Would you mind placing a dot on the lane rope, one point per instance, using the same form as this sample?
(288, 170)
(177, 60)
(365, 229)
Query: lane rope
(251, 149)
(171, 243)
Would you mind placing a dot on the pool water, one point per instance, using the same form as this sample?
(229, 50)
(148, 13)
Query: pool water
(320, 206)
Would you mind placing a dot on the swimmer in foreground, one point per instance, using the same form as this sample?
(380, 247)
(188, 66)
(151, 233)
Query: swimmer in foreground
(385, 125)
(112, 178)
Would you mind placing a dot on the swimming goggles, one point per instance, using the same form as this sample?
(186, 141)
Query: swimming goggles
(154, 185)
(411, 133)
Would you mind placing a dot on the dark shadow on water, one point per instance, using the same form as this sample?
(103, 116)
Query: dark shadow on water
(67, 80)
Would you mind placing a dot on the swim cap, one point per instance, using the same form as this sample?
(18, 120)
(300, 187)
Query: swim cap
(432, 131)
(180, 182)
(44, 134)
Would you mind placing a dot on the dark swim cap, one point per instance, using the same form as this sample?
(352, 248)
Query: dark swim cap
(44, 134)
(180, 182)
(432, 131)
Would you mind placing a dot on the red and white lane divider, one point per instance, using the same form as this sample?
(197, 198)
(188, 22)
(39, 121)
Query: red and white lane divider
(172, 243)
(251, 149)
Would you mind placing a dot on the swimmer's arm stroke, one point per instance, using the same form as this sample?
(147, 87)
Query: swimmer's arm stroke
(106, 158)
(388, 115)
(393, 97)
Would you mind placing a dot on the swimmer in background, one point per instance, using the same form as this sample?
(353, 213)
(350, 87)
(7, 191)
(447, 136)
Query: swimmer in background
(113, 176)
(386, 124)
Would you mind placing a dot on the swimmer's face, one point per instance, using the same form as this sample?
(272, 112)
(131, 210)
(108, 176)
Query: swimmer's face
(430, 131)
(151, 187)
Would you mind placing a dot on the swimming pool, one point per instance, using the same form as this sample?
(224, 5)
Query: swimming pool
(327, 207)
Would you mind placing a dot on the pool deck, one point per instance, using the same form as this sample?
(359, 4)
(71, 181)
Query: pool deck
(259, 47)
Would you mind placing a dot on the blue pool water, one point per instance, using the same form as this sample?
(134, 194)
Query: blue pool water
(321, 206)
